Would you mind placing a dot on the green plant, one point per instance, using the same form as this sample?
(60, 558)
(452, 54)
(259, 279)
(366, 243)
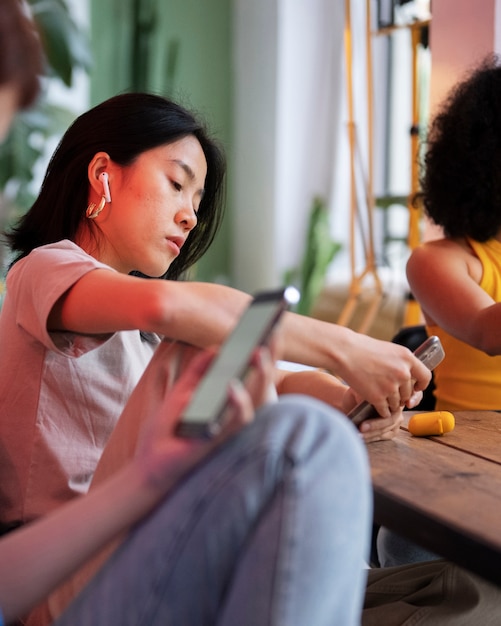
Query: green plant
(319, 252)
(66, 48)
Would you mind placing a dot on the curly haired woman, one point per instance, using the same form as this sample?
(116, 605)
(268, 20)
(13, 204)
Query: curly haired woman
(457, 279)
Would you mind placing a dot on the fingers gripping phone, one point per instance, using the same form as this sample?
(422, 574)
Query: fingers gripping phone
(430, 352)
(203, 416)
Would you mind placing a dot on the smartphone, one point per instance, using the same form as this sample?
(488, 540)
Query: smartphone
(203, 416)
(430, 352)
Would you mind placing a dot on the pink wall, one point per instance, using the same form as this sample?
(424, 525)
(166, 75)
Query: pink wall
(461, 34)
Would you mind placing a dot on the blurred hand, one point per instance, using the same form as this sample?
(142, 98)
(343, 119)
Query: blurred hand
(381, 428)
(162, 456)
(377, 428)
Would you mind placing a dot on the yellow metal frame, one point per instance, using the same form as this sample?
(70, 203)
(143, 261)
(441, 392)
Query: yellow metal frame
(370, 269)
(412, 313)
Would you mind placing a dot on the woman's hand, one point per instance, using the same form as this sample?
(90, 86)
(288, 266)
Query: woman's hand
(378, 428)
(162, 457)
(329, 389)
(381, 428)
(383, 373)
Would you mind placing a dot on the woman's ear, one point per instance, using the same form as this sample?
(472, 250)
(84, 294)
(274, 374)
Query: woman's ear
(100, 163)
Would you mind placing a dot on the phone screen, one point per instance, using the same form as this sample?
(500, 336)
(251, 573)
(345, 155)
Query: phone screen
(253, 329)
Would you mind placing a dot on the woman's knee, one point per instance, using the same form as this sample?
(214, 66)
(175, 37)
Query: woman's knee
(305, 427)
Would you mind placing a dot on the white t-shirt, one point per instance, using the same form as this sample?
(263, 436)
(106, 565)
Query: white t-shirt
(60, 393)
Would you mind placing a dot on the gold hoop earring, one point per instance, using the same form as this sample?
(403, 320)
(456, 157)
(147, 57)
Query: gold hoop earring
(93, 210)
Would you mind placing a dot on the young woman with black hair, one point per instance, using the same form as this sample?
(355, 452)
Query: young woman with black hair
(267, 524)
(197, 520)
(133, 190)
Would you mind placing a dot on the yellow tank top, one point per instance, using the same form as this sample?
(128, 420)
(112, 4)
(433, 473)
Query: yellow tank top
(468, 378)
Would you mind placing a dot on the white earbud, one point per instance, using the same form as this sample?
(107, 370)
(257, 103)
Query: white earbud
(103, 177)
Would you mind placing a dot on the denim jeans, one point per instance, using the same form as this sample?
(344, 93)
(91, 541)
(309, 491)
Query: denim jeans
(272, 529)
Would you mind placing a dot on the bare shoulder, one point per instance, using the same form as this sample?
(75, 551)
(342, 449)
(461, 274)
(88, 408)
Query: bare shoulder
(442, 252)
(442, 246)
(443, 270)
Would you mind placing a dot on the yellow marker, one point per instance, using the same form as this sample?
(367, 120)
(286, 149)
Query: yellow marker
(432, 423)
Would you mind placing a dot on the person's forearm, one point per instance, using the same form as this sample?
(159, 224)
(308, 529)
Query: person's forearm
(205, 313)
(315, 342)
(103, 301)
(35, 559)
(315, 383)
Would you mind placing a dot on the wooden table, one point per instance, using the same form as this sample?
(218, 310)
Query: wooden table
(444, 493)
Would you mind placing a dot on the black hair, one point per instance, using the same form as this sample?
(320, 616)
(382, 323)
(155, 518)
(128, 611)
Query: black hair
(124, 127)
(461, 174)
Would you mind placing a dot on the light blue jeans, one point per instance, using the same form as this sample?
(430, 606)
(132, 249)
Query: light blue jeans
(272, 529)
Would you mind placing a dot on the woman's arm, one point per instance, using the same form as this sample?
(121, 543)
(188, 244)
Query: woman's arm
(316, 383)
(102, 301)
(203, 314)
(383, 373)
(444, 278)
(38, 557)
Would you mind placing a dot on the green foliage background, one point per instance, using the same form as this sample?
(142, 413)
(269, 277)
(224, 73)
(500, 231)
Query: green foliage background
(66, 48)
(319, 252)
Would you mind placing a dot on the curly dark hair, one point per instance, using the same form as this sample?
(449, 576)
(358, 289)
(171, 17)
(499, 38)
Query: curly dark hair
(461, 172)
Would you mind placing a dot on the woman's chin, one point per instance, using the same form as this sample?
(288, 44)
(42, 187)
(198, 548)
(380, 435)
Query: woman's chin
(155, 270)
